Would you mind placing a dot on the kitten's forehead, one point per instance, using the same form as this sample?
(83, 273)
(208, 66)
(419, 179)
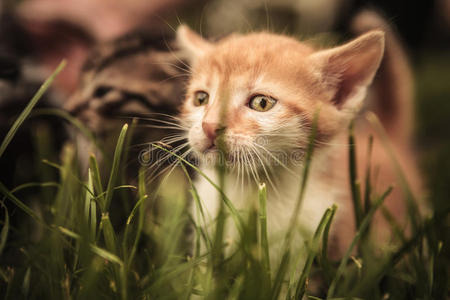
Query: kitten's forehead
(254, 57)
(261, 45)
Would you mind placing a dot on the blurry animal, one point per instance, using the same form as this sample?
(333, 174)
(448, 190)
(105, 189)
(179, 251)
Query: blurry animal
(256, 95)
(139, 76)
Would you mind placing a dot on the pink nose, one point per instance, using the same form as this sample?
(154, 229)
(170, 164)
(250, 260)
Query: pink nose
(210, 129)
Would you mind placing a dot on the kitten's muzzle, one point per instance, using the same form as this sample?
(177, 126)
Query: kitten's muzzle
(212, 130)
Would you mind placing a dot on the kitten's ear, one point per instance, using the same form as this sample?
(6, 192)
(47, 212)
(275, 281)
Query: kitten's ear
(347, 71)
(192, 43)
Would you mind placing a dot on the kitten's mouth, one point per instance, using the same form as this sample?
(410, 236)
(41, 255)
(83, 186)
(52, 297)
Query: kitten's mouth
(211, 148)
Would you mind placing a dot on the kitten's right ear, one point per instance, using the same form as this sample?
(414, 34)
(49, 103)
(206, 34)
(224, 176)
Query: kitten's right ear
(192, 43)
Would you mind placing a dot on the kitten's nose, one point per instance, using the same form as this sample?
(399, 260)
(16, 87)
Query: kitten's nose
(211, 129)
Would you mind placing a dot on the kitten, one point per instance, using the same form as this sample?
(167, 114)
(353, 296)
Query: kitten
(258, 93)
(139, 75)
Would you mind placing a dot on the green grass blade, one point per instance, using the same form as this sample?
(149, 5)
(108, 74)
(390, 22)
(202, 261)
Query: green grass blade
(111, 245)
(218, 239)
(172, 272)
(354, 185)
(135, 208)
(412, 206)
(109, 234)
(190, 284)
(280, 275)
(346, 298)
(217, 253)
(142, 192)
(99, 251)
(26, 283)
(396, 228)
(362, 228)
(115, 167)
(314, 249)
(282, 269)
(124, 196)
(20, 204)
(323, 257)
(34, 184)
(98, 187)
(143, 196)
(236, 288)
(234, 213)
(89, 281)
(88, 196)
(409, 246)
(90, 208)
(199, 207)
(138, 205)
(70, 171)
(5, 230)
(264, 242)
(368, 187)
(304, 180)
(93, 220)
(12, 131)
(106, 255)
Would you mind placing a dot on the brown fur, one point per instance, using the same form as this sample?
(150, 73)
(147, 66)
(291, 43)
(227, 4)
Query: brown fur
(304, 81)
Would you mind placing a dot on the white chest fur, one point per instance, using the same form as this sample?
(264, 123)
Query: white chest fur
(320, 194)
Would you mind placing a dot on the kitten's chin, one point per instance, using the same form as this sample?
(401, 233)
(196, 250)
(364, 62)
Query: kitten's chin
(213, 157)
(209, 157)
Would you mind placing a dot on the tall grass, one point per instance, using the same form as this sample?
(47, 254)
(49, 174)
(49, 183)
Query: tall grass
(146, 251)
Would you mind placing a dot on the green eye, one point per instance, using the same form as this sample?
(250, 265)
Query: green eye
(200, 98)
(261, 103)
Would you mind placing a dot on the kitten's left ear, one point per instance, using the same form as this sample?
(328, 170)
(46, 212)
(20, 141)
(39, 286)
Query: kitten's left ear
(192, 43)
(347, 71)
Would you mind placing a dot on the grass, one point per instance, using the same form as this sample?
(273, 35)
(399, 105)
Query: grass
(82, 243)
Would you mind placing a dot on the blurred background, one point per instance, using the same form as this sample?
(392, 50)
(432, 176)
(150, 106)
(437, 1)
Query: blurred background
(105, 62)
(116, 50)
(35, 35)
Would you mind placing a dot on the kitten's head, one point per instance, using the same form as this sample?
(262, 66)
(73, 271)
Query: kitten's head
(259, 92)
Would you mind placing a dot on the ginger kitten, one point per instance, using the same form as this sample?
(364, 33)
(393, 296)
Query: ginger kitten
(258, 93)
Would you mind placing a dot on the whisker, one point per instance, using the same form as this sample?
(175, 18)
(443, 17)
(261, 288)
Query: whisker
(277, 160)
(265, 170)
(172, 166)
(173, 140)
(252, 167)
(167, 140)
(180, 60)
(173, 65)
(242, 167)
(153, 120)
(331, 144)
(173, 117)
(168, 155)
(160, 127)
(161, 121)
(173, 77)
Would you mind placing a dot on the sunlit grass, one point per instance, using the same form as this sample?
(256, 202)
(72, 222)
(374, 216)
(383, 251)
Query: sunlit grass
(145, 252)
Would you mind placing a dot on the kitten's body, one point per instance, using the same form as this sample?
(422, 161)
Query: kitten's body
(301, 81)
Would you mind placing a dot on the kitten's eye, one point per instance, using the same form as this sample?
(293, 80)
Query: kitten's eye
(261, 103)
(200, 98)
